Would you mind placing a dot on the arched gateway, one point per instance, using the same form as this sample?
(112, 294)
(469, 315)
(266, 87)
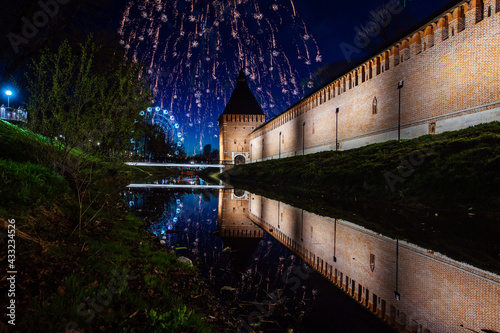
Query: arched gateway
(240, 159)
(241, 117)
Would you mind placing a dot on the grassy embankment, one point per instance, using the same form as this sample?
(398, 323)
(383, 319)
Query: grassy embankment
(112, 278)
(402, 190)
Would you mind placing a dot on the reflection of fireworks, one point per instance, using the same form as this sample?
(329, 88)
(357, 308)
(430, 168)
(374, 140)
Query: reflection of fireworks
(193, 50)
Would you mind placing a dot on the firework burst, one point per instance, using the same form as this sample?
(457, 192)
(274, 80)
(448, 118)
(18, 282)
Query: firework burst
(193, 50)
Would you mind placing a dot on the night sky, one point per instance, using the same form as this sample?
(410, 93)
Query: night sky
(193, 50)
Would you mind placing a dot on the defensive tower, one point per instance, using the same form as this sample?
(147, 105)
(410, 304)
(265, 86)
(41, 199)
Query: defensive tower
(240, 117)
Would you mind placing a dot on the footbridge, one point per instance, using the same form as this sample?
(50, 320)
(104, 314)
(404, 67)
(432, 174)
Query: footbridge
(181, 165)
(179, 186)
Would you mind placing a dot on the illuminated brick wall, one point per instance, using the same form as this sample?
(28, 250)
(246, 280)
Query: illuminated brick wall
(436, 293)
(451, 78)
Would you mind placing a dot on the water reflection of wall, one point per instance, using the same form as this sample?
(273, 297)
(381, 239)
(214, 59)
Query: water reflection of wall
(233, 215)
(411, 288)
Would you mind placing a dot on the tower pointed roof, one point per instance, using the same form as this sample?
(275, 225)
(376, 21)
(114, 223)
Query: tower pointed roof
(242, 100)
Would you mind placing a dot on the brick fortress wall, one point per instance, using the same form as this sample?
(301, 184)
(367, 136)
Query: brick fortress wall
(451, 78)
(436, 293)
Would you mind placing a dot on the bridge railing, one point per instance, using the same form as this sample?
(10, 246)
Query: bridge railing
(175, 165)
(184, 161)
(12, 114)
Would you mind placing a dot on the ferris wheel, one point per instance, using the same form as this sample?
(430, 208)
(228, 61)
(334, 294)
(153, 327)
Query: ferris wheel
(167, 122)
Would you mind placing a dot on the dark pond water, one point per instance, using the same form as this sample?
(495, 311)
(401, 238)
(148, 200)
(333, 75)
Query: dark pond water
(272, 288)
(284, 268)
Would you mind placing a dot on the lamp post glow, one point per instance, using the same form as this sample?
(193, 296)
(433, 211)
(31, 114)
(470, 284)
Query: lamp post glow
(8, 93)
(400, 85)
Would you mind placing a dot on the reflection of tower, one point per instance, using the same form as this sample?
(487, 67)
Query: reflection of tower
(240, 117)
(233, 218)
(237, 231)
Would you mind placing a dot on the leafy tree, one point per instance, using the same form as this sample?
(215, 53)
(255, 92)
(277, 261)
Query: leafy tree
(83, 109)
(215, 155)
(158, 146)
(207, 150)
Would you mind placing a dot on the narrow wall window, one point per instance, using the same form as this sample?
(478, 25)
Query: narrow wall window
(372, 262)
(374, 106)
(432, 128)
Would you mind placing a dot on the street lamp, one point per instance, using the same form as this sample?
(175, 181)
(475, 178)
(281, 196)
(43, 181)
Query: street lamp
(303, 136)
(8, 93)
(337, 129)
(279, 153)
(397, 295)
(400, 85)
(335, 241)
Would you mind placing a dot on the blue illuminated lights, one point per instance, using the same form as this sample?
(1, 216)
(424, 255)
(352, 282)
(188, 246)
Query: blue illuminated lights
(166, 121)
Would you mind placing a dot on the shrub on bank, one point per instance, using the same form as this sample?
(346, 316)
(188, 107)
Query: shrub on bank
(29, 184)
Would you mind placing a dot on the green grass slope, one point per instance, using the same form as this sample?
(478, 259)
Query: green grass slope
(112, 278)
(453, 169)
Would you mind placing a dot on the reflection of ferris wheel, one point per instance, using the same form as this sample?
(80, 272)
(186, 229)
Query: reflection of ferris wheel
(167, 222)
(167, 122)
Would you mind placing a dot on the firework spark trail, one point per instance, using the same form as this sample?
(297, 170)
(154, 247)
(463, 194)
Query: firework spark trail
(193, 50)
